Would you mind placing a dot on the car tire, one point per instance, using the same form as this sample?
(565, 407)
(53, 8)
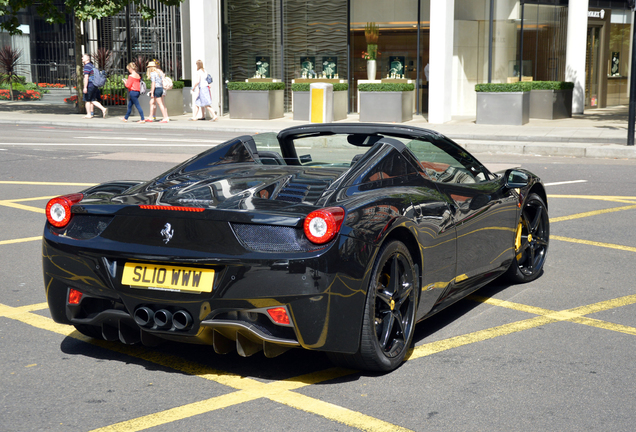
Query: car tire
(531, 241)
(389, 315)
(91, 331)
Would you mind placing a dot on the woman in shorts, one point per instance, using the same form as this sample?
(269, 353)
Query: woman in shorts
(157, 93)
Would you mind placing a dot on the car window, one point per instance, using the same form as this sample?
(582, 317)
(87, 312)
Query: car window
(327, 150)
(391, 164)
(447, 163)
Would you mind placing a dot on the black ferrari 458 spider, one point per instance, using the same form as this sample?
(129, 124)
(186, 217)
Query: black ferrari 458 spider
(336, 238)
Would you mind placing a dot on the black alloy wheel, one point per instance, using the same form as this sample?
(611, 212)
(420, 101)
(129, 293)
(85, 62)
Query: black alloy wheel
(531, 241)
(389, 318)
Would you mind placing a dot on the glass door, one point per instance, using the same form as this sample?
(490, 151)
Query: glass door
(592, 66)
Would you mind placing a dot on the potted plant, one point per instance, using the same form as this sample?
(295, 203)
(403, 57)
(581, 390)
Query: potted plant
(301, 101)
(503, 104)
(256, 100)
(551, 99)
(371, 34)
(9, 58)
(386, 102)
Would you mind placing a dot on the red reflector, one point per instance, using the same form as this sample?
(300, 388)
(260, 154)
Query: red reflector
(279, 315)
(172, 208)
(74, 296)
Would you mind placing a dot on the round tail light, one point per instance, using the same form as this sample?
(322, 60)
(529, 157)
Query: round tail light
(322, 225)
(58, 210)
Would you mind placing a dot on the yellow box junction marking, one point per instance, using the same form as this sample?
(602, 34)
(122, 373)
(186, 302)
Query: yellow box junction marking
(282, 391)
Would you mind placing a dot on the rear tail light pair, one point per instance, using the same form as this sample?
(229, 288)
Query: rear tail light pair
(58, 210)
(322, 225)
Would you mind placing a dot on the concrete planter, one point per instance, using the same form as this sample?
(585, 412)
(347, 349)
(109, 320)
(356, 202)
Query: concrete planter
(254, 104)
(173, 101)
(550, 104)
(394, 107)
(188, 100)
(503, 108)
(301, 105)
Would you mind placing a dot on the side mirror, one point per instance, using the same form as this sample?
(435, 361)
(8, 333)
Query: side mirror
(305, 158)
(516, 179)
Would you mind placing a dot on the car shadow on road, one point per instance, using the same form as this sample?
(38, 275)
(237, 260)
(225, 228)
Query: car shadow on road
(452, 313)
(189, 359)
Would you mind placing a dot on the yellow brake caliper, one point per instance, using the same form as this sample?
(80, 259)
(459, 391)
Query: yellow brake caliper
(518, 240)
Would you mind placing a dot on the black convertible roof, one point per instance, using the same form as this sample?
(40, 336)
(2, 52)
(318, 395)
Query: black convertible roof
(356, 128)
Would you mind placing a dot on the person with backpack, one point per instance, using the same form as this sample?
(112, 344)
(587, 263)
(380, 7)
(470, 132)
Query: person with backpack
(204, 97)
(92, 94)
(157, 92)
(134, 86)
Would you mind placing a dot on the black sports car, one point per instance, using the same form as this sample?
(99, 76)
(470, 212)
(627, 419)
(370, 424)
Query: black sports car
(336, 237)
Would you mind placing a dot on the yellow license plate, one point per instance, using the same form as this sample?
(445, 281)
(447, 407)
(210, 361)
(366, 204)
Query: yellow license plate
(168, 277)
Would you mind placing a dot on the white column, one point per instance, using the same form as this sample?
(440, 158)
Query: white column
(205, 43)
(575, 52)
(441, 61)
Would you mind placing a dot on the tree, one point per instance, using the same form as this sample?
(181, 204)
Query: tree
(53, 11)
(9, 58)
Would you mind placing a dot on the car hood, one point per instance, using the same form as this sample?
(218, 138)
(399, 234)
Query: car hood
(239, 186)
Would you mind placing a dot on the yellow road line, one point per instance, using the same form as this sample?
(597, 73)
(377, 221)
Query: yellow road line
(249, 389)
(470, 338)
(595, 197)
(31, 183)
(179, 413)
(591, 213)
(593, 243)
(335, 412)
(20, 240)
(280, 391)
(21, 206)
(30, 199)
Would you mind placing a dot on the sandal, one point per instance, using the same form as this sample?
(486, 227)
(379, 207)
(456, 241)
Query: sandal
(164, 121)
(142, 121)
(125, 120)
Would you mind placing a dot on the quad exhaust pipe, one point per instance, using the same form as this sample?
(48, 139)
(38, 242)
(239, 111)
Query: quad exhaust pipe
(162, 319)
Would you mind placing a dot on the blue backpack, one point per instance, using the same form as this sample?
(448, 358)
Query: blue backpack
(98, 78)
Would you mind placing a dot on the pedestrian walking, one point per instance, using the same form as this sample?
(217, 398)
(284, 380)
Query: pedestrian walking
(157, 92)
(201, 86)
(133, 84)
(92, 94)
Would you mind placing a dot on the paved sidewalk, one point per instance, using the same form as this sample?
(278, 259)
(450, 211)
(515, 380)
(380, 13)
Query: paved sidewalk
(600, 133)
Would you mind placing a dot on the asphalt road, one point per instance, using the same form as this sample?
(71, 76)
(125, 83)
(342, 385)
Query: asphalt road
(554, 354)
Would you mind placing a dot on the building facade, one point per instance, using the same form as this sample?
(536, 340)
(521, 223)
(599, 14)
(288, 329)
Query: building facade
(444, 47)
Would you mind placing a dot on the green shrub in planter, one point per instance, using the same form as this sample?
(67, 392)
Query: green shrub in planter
(258, 86)
(305, 87)
(256, 100)
(551, 99)
(178, 85)
(399, 87)
(551, 85)
(523, 86)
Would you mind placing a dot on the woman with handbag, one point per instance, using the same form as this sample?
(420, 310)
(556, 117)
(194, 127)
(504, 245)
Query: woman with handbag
(157, 92)
(133, 84)
(201, 86)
